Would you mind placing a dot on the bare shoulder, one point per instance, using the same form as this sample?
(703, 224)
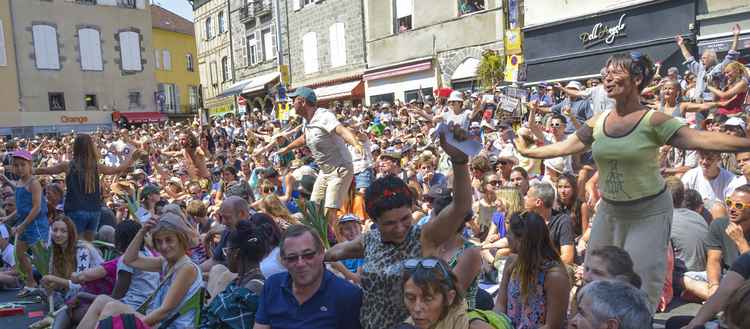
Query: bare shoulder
(592, 121)
(658, 118)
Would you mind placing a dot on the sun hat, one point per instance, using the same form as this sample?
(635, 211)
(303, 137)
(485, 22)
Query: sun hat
(737, 122)
(349, 218)
(556, 164)
(456, 96)
(23, 154)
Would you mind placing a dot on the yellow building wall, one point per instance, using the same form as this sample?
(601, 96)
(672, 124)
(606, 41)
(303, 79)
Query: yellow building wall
(179, 45)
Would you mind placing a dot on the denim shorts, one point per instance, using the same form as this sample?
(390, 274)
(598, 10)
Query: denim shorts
(38, 230)
(363, 179)
(86, 221)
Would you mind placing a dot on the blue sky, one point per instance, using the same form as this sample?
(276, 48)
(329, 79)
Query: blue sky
(179, 7)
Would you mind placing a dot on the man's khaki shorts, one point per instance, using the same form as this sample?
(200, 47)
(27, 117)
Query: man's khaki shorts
(333, 187)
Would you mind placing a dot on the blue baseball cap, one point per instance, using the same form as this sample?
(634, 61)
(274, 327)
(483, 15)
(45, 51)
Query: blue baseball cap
(306, 93)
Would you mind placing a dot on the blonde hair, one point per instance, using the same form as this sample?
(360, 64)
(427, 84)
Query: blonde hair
(273, 206)
(738, 68)
(511, 198)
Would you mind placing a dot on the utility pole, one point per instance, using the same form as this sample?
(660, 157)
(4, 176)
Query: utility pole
(283, 69)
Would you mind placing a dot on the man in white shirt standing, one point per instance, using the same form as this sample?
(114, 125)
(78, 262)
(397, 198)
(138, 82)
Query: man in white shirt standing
(326, 138)
(708, 178)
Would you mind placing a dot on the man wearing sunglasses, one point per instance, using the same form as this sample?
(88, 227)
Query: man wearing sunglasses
(307, 296)
(728, 237)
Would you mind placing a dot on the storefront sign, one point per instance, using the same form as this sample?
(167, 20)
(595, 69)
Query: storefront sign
(603, 33)
(78, 120)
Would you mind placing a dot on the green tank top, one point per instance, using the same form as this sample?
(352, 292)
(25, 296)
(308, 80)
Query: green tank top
(628, 165)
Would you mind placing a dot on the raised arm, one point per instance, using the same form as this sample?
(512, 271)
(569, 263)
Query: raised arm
(107, 170)
(132, 256)
(445, 225)
(691, 139)
(54, 170)
(683, 48)
(533, 126)
(346, 250)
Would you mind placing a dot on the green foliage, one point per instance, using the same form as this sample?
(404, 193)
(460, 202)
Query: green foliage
(491, 68)
(314, 216)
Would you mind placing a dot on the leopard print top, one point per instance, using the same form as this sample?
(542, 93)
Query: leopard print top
(383, 305)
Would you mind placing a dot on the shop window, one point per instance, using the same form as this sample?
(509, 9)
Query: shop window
(252, 50)
(189, 62)
(56, 101)
(167, 60)
(375, 99)
(469, 6)
(90, 101)
(414, 94)
(222, 26)
(338, 44)
(130, 51)
(46, 53)
(225, 69)
(310, 52)
(404, 9)
(134, 99)
(3, 58)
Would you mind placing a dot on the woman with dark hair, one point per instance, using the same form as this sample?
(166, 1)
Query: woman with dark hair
(534, 289)
(271, 263)
(389, 204)
(635, 212)
(83, 196)
(567, 202)
(235, 306)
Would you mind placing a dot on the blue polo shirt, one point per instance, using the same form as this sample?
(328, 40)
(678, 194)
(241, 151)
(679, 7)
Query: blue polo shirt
(334, 306)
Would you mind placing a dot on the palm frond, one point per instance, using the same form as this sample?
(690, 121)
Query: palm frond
(491, 69)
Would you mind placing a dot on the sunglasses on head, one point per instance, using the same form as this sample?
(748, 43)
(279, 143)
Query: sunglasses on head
(414, 264)
(295, 258)
(735, 205)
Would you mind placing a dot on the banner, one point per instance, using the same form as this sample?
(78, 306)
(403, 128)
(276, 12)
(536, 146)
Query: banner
(507, 103)
(512, 64)
(512, 41)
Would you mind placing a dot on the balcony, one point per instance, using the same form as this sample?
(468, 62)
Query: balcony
(126, 4)
(262, 8)
(246, 14)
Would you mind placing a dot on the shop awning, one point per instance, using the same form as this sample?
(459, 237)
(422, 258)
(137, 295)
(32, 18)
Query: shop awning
(143, 117)
(467, 69)
(260, 82)
(346, 89)
(398, 69)
(236, 88)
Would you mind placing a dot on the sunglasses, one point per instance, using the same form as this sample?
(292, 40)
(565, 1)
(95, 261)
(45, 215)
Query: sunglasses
(555, 125)
(414, 264)
(735, 205)
(295, 258)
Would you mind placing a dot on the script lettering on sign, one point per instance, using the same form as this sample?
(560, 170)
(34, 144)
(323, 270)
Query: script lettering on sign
(603, 33)
(67, 119)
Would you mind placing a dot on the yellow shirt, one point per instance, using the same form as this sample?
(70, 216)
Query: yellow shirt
(628, 165)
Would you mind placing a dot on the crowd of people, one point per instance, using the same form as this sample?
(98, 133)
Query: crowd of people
(593, 205)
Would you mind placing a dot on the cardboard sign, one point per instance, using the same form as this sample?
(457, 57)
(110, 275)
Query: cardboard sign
(507, 103)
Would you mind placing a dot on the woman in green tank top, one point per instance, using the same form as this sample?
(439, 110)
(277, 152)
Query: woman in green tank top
(635, 213)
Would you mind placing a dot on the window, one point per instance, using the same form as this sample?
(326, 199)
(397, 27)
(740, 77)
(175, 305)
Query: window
(130, 51)
(222, 29)
(45, 47)
(414, 94)
(375, 99)
(338, 44)
(252, 50)
(87, 2)
(3, 58)
(469, 6)
(269, 45)
(169, 100)
(214, 77)
(193, 97)
(126, 3)
(167, 60)
(56, 102)
(225, 69)
(90, 101)
(208, 29)
(134, 99)
(189, 62)
(310, 52)
(91, 49)
(403, 15)
(157, 58)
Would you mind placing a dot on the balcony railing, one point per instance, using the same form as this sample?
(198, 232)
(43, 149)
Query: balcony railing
(253, 9)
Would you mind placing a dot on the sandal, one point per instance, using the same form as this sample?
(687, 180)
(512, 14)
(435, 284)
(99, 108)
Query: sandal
(25, 292)
(43, 323)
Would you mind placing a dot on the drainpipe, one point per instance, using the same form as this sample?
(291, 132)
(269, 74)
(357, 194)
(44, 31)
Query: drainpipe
(231, 43)
(15, 48)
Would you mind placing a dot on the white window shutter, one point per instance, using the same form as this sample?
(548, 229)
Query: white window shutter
(268, 45)
(3, 56)
(273, 40)
(310, 52)
(130, 51)
(296, 5)
(338, 44)
(167, 63)
(258, 48)
(157, 58)
(91, 49)
(403, 8)
(45, 47)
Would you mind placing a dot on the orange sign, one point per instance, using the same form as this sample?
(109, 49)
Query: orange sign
(79, 120)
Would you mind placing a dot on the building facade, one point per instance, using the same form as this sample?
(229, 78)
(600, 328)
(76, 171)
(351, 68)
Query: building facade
(9, 112)
(254, 30)
(215, 64)
(79, 62)
(423, 45)
(326, 40)
(176, 73)
(715, 21)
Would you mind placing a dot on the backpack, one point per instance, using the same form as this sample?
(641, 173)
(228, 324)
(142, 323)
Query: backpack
(496, 320)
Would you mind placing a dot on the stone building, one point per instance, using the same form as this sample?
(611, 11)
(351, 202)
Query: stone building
(215, 64)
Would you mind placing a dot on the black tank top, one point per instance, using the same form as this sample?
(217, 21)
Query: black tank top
(76, 197)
